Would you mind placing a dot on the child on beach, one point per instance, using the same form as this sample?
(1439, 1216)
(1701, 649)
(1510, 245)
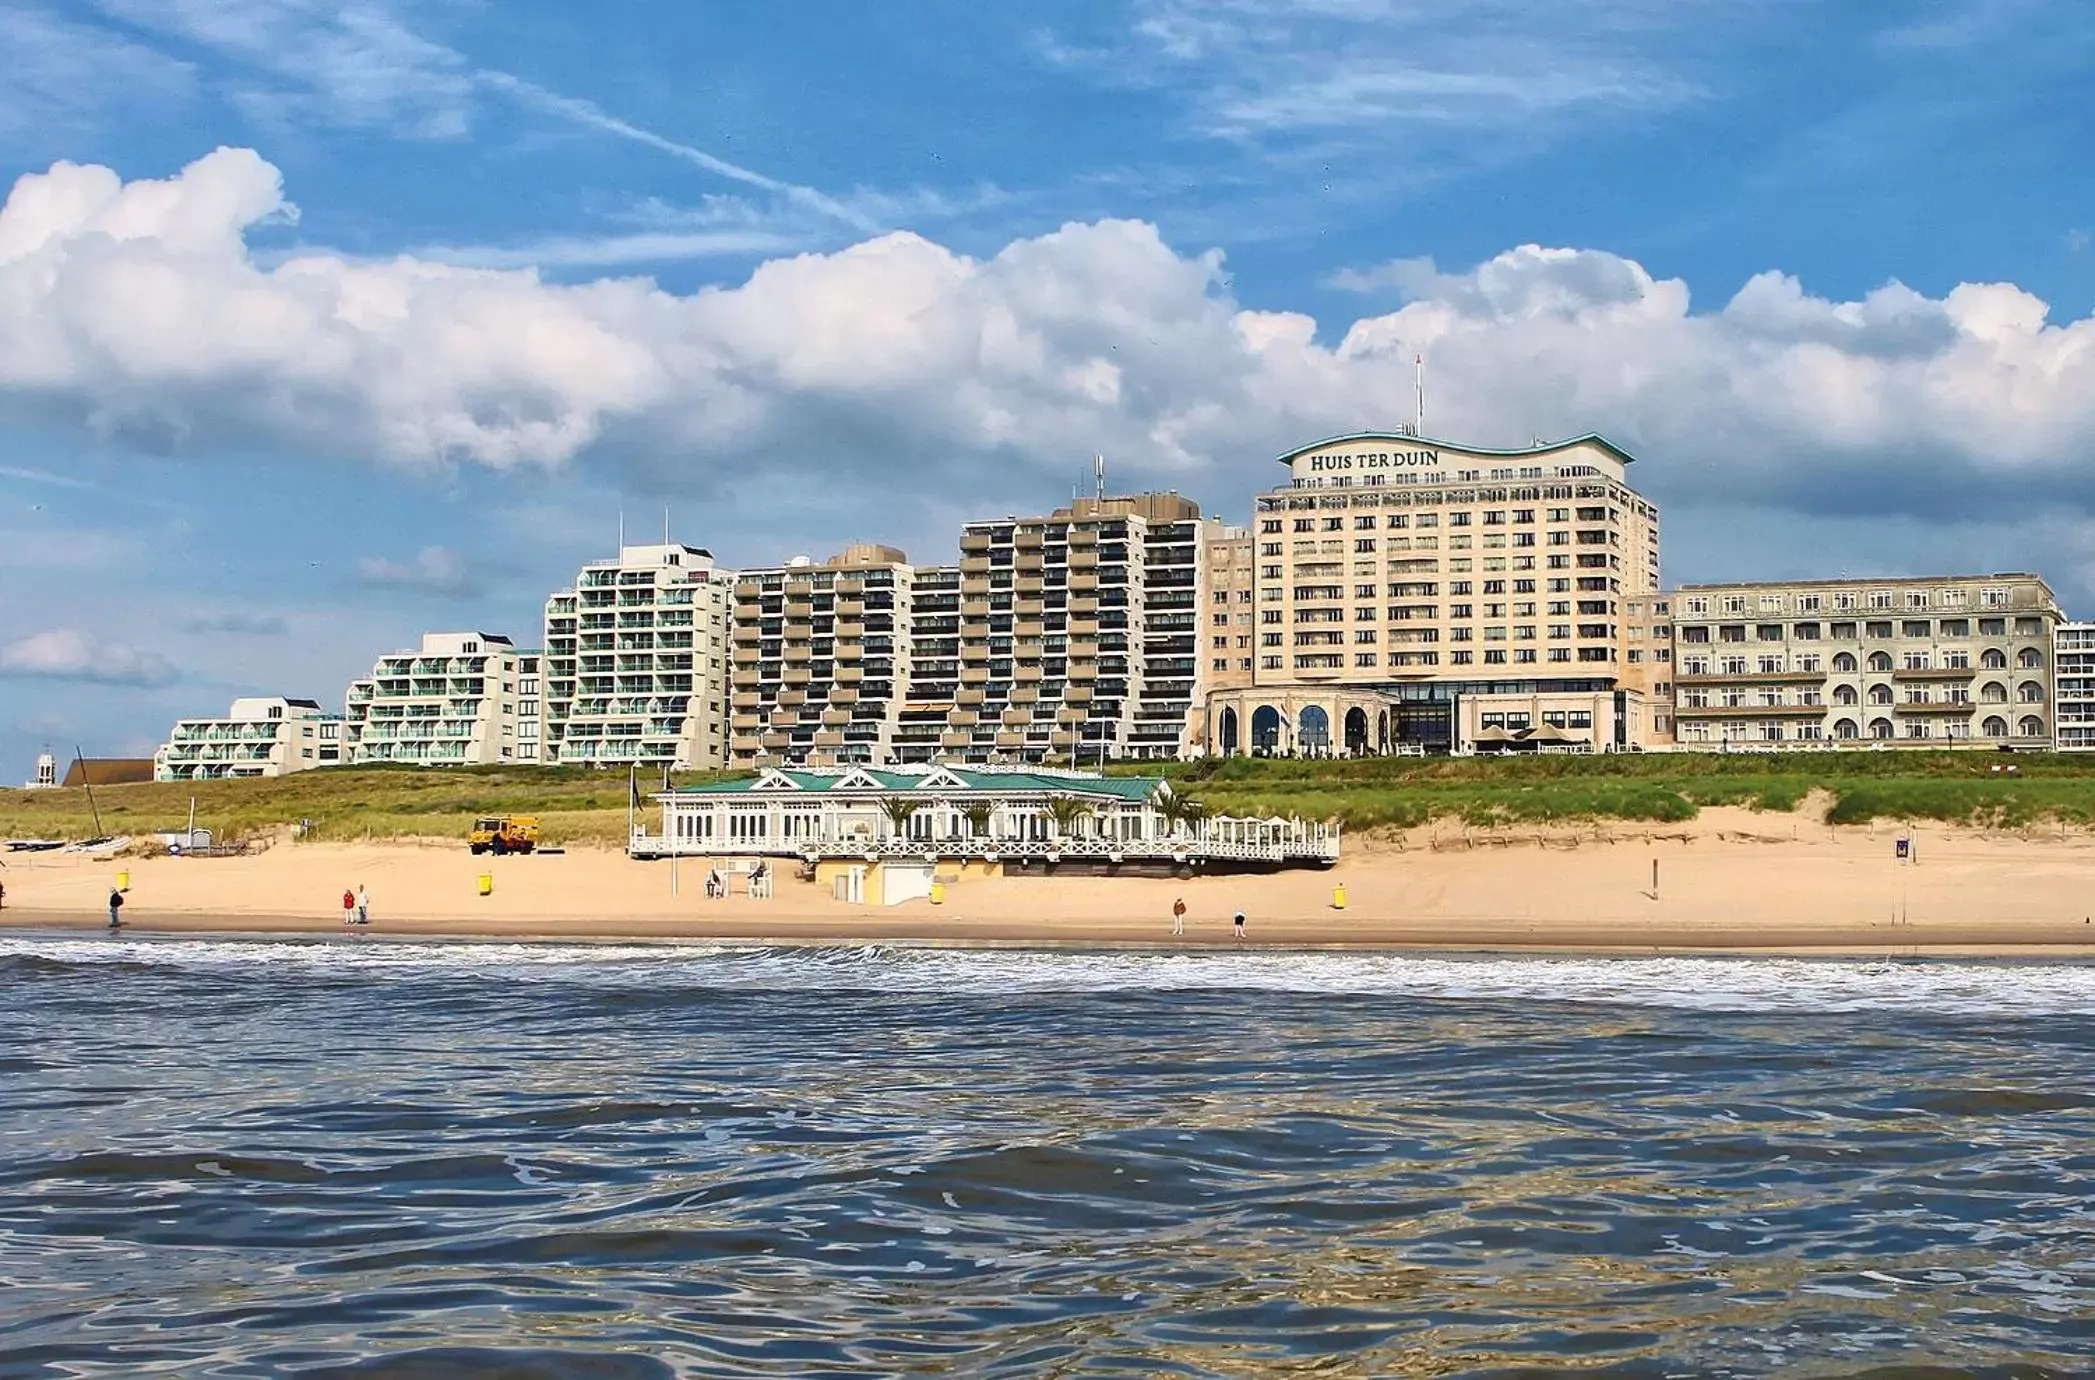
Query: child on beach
(1240, 925)
(348, 907)
(1178, 916)
(116, 904)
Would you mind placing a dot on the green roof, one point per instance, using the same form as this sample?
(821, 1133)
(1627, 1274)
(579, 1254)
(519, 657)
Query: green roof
(1130, 788)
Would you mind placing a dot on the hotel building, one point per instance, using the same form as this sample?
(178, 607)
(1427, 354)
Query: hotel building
(461, 698)
(822, 659)
(1412, 593)
(262, 735)
(636, 662)
(1960, 660)
(2073, 687)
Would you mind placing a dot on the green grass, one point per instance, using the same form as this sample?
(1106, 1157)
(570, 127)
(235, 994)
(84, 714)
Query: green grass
(573, 804)
(1960, 787)
(578, 806)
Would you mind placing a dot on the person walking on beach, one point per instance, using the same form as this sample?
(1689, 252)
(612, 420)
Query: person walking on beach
(348, 906)
(1240, 926)
(116, 904)
(1178, 916)
(363, 905)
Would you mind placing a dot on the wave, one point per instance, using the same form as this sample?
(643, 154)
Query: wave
(1717, 984)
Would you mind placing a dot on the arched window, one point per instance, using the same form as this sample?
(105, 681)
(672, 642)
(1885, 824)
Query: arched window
(1382, 743)
(1315, 730)
(2029, 658)
(2030, 727)
(1993, 659)
(1845, 662)
(2029, 692)
(1356, 730)
(1265, 729)
(1845, 728)
(1880, 661)
(1844, 694)
(1880, 694)
(1880, 728)
(1994, 727)
(1993, 692)
(1226, 733)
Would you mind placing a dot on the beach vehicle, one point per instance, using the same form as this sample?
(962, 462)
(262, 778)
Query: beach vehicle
(499, 834)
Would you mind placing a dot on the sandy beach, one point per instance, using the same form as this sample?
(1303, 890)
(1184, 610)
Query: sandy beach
(1732, 880)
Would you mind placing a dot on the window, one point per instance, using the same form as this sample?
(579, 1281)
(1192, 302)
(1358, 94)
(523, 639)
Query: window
(1880, 599)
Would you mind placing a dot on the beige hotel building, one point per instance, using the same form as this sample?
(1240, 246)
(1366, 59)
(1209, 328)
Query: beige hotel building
(1946, 661)
(1413, 594)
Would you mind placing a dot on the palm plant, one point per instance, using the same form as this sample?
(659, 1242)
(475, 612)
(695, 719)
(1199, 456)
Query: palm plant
(899, 811)
(977, 814)
(1067, 812)
(1179, 812)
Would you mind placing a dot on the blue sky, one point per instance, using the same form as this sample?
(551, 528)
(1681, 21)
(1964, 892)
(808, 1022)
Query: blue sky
(468, 280)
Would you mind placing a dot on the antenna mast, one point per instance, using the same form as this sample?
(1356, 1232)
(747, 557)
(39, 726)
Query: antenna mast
(1098, 473)
(1418, 365)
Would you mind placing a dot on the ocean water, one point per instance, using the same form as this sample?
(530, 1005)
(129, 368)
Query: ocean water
(224, 1158)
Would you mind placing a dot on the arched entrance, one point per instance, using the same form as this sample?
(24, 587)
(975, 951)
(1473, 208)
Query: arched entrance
(1226, 732)
(1315, 731)
(1265, 729)
(1356, 730)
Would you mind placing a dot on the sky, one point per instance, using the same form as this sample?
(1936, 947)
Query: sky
(326, 324)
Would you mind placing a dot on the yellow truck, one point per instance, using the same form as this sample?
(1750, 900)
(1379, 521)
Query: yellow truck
(499, 834)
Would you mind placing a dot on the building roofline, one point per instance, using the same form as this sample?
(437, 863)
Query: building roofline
(1859, 580)
(1546, 448)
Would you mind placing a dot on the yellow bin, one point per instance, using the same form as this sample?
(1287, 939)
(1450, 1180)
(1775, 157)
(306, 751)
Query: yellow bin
(1338, 897)
(938, 893)
(123, 880)
(487, 884)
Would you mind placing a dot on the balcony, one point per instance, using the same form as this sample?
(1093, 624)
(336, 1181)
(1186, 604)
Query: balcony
(1757, 711)
(973, 565)
(1934, 673)
(1751, 678)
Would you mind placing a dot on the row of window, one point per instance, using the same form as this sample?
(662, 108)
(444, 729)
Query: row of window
(1848, 730)
(1847, 631)
(1845, 663)
(1989, 597)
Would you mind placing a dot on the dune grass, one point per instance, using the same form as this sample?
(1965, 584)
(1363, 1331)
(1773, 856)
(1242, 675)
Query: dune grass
(579, 806)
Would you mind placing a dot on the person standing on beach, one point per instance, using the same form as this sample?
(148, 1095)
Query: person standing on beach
(116, 904)
(363, 905)
(1240, 926)
(348, 906)
(1178, 916)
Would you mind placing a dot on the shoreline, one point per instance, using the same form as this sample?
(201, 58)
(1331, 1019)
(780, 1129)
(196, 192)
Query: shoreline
(1886, 945)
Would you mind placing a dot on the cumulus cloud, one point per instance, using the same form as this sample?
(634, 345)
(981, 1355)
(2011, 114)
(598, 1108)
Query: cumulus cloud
(68, 654)
(432, 570)
(901, 364)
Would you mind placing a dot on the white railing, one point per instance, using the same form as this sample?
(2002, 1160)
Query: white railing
(1224, 838)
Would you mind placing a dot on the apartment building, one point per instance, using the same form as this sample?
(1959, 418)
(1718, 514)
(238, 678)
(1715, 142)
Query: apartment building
(1397, 577)
(261, 735)
(1941, 661)
(459, 699)
(821, 659)
(636, 662)
(1228, 622)
(932, 673)
(2073, 687)
(1079, 632)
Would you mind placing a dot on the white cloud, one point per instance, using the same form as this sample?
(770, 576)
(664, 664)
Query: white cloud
(68, 654)
(432, 570)
(899, 365)
(608, 251)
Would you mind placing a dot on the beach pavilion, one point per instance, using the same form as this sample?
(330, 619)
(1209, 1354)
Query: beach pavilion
(1027, 817)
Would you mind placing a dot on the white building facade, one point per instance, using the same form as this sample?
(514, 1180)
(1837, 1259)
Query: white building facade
(635, 667)
(457, 700)
(2073, 686)
(263, 735)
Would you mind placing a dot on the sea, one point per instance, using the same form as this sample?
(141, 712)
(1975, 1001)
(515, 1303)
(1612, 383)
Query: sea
(362, 1157)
